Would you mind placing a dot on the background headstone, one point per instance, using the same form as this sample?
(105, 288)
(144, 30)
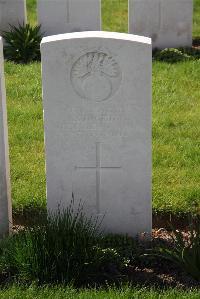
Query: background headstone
(5, 198)
(12, 12)
(167, 22)
(63, 16)
(97, 111)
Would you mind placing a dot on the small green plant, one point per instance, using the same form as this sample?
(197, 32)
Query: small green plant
(172, 55)
(65, 248)
(22, 43)
(106, 266)
(125, 245)
(58, 250)
(186, 250)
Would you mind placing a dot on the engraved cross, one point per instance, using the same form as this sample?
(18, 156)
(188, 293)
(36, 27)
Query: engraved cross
(98, 168)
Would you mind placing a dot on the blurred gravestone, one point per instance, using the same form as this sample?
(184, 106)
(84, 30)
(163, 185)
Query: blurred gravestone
(12, 12)
(63, 16)
(5, 199)
(167, 22)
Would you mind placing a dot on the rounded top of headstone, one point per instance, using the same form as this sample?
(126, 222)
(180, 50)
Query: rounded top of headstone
(97, 34)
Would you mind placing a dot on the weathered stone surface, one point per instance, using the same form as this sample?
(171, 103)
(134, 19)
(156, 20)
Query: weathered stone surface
(63, 16)
(97, 111)
(5, 199)
(12, 12)
(167, 22)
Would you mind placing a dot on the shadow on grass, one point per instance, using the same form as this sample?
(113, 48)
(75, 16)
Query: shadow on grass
(29, 216)
(33, 215)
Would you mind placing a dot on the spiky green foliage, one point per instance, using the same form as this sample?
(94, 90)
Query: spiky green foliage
(22, 43)
(55, 251)
(64, 248)
(186, 250)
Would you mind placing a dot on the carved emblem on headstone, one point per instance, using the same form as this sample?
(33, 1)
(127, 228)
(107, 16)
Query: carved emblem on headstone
(96, 76)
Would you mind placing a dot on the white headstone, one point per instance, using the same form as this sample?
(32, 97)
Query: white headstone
(97, 111)
(63, 16)
(167, 22)
(12, 12)
(5, 199)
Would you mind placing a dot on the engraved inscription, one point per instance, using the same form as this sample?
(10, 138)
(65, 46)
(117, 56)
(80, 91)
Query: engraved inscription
(101, 122)
(96, 76)
(98, 168)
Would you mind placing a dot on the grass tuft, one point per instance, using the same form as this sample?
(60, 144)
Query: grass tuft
(33, 292)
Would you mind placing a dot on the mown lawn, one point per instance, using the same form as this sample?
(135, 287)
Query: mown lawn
(125, 293)
(176, 133)
(196, 19)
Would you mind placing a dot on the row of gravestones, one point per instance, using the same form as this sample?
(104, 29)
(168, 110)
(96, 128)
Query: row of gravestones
(97, 118)
(167, 22)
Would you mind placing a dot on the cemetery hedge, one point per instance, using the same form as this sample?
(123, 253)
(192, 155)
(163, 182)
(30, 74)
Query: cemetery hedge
(176, 114)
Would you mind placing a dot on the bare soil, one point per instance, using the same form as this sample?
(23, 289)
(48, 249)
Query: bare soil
(162, 273)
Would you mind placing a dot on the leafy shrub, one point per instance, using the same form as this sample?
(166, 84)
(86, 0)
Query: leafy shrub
(172, 55)
(108, 266)
(22, 43)
(186, 250)
(126, 246)
(192, 52)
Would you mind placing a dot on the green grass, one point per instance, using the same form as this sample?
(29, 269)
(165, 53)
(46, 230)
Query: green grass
(115, 15)
(31, 11)
(176, 114)
(124, 293)
(26, 135)
(176, 144)
(196, 19)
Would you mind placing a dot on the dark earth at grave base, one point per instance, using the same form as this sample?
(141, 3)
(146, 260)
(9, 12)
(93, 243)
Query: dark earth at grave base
(161, 273)
(196, 43)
